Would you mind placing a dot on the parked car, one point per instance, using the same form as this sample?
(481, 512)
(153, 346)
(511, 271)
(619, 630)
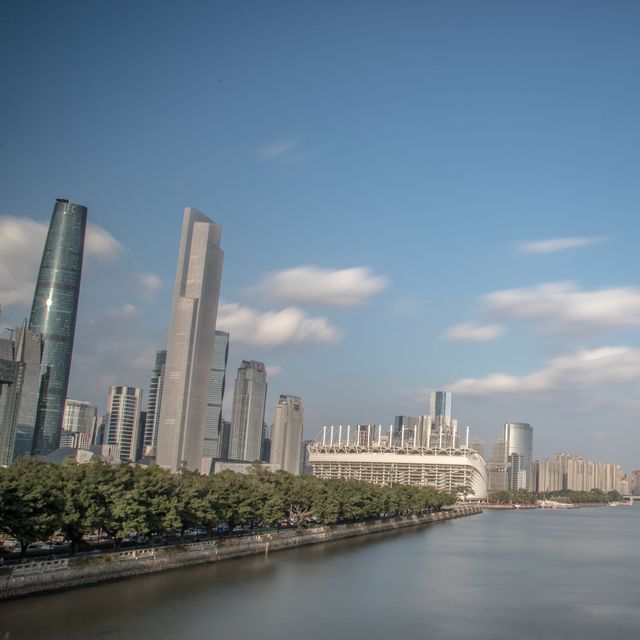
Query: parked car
(136, 539)
(56, 546)
(197, 531)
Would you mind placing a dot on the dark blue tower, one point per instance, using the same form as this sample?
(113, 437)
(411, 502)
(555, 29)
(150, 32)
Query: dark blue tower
(53, 314)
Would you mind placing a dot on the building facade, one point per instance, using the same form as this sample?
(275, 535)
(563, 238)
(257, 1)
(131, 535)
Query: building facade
(79, 417)
(215, 395)
(286, 437)
(247, 419)
(518, 437)
(379, 463)
(154, 404)
(190, 346)
(122, 428)
(20, 368)
(53, 314)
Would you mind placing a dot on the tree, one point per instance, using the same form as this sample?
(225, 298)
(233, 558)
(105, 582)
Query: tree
(31, 502)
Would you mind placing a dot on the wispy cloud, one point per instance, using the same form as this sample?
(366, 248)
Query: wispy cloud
(584, 368)
(472, 332)
(563, 307)
(279, 148)
(21, 245)
(308, 285)
(290, 327)
(553, 245)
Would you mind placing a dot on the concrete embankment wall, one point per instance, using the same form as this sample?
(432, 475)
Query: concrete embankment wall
(39, 577)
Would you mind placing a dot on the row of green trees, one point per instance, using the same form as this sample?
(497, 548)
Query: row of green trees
(39, 500)
(571, 497)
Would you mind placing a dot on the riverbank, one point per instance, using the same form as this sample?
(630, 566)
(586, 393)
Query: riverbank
(547, 505)
(69, 573)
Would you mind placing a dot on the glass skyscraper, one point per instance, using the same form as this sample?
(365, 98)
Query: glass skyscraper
(518, 437)
(211, 448)
(154, 405)
(249, 400)
(53, 314)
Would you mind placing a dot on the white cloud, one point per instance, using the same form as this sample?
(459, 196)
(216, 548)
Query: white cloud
(278, 148)
(21, 245)
(308, 285)
(561, 306)
(553, 245)
(273, 369)
(150, 283)
(472, 332)
(579, 369)
(274, 329)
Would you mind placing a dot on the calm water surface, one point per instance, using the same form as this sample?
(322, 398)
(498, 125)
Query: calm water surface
(517, 574)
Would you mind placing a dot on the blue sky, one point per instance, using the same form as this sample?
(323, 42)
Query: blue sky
(397, 160)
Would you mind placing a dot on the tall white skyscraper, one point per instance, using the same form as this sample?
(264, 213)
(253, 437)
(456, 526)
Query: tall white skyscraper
(190, 346)
(249, 399)
(123, 417)
(286, 436)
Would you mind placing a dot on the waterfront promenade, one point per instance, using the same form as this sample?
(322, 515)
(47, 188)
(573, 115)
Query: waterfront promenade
(38, 577)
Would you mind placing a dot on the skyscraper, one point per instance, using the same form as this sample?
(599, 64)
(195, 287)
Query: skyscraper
(286, 437)
(518, 437)
(53, 314)
(122, 425)
(440, 404)
(154, 404)
(249, 399)
(20, 362)
(215, 395)
(190, 347)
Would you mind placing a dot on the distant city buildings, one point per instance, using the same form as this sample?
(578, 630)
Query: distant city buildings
(53, 315)
(247, 419)
(122, 427)
(574, 473)
(79, 424)
(286, 438)
(498, 466)
(190, 346)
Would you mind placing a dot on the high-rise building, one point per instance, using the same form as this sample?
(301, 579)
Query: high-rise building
(225, 440)
(477, 445)
(286, 437)
(440, 404)
(190, 347)
(406, 429)
(265, 449)
(249, 399)
(123, 420)
(79, 417)
(497, 467)
(53, 314)
(20, 361)
(215, 395)
(518, 437)
(154, 404)
(305, 466)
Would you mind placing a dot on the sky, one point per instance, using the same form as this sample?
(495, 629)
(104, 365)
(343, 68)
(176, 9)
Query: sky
(414, 196)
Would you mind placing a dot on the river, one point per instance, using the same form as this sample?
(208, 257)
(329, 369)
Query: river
(517, 575)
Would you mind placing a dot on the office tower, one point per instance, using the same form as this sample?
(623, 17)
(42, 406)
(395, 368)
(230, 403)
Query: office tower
(225, 440)
(78, 425)
(123, 416)
(79, 417)
(286, 438)
(412, 431)
(53, 314)
(518, 438)
(154, 404)
(477, 445)
(497, 467)
(249, 399)
(440, 404)
(190, 347)
(142, 421)
(265, 449)
(215, 395)
(305, 467)
(20, 362)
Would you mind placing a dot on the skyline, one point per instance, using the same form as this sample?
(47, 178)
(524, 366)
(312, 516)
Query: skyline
(401, 214)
